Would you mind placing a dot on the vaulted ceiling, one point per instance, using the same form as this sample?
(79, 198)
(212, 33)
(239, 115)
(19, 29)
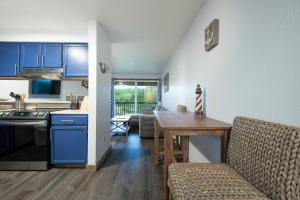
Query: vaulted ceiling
(144, 33)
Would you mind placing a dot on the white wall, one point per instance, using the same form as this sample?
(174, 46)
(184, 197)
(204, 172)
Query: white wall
(100, 91)
(22, 86)
(254, 71)
(43, 37)
(104, 92)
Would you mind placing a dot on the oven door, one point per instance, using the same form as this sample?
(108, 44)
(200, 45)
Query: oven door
(24, 144)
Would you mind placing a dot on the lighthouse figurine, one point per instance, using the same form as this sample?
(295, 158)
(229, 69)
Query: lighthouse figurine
(199, 106)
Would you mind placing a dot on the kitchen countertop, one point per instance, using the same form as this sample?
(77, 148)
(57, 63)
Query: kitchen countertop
(48, 102)
(36, 102)
(69, 112)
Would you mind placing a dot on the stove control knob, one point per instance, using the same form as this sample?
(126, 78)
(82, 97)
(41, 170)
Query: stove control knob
(41, 114)
(34, 114)
(1, 113)
(6, 113)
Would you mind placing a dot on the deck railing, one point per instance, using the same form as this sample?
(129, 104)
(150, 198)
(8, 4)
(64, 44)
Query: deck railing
(123, 108)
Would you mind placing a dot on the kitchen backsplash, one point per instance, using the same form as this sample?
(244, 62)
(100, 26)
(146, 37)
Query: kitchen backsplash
(22, 86)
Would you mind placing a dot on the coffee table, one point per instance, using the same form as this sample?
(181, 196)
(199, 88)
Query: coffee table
(118, 122)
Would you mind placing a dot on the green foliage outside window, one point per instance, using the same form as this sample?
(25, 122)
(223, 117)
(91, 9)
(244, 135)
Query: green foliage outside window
(125, 98)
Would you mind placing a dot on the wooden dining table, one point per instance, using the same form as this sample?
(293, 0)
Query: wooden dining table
(185, 124)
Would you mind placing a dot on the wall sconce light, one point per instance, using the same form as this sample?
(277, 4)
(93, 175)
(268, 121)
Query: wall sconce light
(104, 67)
(85, 84)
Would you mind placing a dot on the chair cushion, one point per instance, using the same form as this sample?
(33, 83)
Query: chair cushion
(209, 181)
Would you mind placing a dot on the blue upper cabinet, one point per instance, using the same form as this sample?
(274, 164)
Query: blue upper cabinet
(52, 55)
(17, 56)
(9, 59)
(30, 55)
(75, 60)
(41, 55)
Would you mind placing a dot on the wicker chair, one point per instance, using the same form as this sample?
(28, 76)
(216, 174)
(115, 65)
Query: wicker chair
(263, 163)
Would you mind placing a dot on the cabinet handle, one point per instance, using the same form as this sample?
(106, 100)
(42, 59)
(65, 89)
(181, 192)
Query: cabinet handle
(43, 60)
(37, 60)
(67, 121)
(16, 69)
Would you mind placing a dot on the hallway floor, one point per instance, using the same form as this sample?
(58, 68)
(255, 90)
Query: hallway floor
(128, 173)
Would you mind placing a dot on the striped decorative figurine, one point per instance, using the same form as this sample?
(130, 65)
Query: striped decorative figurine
(199, 106)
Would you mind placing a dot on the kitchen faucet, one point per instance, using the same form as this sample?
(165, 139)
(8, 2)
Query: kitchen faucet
(18, 99)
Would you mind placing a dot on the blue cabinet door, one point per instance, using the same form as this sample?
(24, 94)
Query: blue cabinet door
(52, 55)
(76, 60)
(9, 59)
(69, 145)
(30, 55)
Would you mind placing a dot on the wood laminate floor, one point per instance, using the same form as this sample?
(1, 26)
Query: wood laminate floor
(128, 173)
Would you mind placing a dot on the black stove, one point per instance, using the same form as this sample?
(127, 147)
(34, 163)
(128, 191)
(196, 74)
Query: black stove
(25, 139)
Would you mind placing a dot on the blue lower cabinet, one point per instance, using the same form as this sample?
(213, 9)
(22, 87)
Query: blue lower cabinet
(69, 145)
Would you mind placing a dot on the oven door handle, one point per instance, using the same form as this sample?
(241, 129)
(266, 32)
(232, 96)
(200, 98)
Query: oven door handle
(23, 123)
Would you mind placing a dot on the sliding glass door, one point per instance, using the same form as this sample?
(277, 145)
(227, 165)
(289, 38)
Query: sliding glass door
(124, 97)
(146, 96)
(133, 96)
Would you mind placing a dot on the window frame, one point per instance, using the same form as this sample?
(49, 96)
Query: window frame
(136, 89)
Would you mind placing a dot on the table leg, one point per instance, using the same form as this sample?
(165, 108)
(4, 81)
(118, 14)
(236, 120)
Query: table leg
(185, 148)
(227, 135)
(156, 142)
(127, 128)
(117, 125)
(222, 149)
(224, 144)
(168, 148)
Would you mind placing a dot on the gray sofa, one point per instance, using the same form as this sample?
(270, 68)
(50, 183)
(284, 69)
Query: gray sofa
(146, 122)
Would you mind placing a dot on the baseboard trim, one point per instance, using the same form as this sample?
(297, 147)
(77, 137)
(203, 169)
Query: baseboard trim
(91, 167)
(69, 166)
(100, 162)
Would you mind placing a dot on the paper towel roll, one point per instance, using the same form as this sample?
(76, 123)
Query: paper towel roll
(85, 104)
